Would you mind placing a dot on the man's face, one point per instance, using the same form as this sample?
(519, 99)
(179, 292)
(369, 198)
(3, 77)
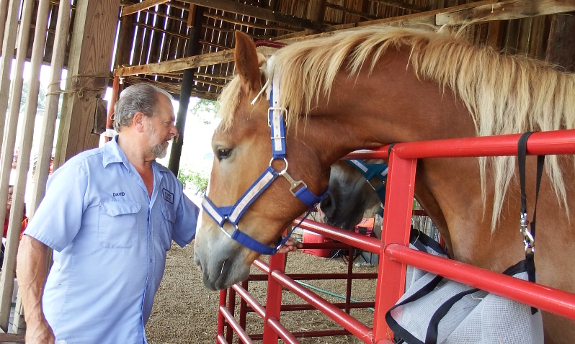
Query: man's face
(161, 127)
(9, 201)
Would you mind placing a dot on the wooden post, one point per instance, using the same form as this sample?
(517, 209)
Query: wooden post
(561, 44)
(12, 121)
(3, 13)
(186, 90)
(25, 146)
(91, 48)
(8, 44)
(109, 120)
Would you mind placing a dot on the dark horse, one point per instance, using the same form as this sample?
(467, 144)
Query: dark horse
(366, 88)
(350, 196)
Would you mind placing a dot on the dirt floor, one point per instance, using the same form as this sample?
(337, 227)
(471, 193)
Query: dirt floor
(185, 311)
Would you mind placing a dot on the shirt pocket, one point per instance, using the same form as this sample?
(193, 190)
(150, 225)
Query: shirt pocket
(169, 218)
(118, 224)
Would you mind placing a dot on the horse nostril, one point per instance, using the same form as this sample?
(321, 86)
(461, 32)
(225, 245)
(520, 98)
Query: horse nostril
(326, 204)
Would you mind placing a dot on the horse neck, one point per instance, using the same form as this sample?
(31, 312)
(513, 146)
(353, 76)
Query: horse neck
(387, 105)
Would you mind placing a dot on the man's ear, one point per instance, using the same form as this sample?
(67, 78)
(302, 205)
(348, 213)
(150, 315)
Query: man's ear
(138, 121)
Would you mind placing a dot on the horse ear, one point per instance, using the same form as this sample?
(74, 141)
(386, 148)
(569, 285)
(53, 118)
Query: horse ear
(246, 59)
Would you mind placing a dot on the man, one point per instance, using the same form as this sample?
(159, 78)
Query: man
(110, 215)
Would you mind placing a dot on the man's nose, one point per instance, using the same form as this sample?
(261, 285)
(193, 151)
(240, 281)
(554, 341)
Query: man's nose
(174, 131)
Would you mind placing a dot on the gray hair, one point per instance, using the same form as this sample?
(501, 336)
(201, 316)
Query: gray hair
(136, 98)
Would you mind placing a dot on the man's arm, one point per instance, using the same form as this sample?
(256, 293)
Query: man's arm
(31, 270)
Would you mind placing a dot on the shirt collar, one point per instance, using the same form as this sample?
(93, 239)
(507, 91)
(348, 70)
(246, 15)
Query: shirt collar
(114, 154)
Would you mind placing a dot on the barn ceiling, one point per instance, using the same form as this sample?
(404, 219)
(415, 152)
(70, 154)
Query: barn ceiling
(157, 40)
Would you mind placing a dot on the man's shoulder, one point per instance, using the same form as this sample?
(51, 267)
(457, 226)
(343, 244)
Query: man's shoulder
(88, 156)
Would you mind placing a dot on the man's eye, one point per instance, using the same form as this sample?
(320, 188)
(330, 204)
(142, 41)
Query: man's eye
(224, 153)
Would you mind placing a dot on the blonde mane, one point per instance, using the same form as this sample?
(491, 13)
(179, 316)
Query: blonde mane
(503, 94)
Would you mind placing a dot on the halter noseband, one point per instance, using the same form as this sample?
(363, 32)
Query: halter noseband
(233, 214)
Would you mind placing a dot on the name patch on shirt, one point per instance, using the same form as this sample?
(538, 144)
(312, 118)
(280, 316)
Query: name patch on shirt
(168, 196)
(116, 194)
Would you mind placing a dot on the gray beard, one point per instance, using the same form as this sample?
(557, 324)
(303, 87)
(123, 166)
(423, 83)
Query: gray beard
(159, 151)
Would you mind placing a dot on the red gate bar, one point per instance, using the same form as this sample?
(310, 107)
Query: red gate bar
(539, 143)
(357, 275)
(283, 333)
(398, 209)
(395, 255)
(253, 303)
(349, 323)
(350, 238)
(533, 294)
(235, 325)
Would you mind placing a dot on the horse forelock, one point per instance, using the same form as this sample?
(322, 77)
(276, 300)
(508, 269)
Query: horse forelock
(503, 94)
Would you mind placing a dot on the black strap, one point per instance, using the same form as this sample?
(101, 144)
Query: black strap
(397, 329)
(390, 148)
(521, 155)
(432, 329)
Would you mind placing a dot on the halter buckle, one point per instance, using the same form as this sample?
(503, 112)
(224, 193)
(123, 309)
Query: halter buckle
(377, 184)
(272, 109)
(294, 184)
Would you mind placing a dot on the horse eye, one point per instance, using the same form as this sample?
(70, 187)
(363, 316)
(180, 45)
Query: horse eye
(224, 153)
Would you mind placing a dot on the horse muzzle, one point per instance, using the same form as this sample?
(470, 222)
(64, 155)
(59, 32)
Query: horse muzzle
(221, 260)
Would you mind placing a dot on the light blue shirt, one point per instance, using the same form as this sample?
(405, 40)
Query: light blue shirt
(110, 241)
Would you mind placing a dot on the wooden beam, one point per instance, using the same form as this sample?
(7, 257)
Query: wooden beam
(401, 4)
(427, 18)
(561, 44)
(249, 24)
(256, 12)
(153, 28)
(171, 88)
(227, 56)
(185, 63)
(351, 11)
(214, 76)
(91, 47)
(506, 10)
(144, 5)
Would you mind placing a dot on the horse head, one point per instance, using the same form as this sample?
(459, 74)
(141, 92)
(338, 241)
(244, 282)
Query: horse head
(247, 177)
(350, 196)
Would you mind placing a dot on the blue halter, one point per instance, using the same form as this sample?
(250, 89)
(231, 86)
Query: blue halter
(372, 170)
(233, 214)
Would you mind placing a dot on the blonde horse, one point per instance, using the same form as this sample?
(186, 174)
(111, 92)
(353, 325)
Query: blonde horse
(367, 88)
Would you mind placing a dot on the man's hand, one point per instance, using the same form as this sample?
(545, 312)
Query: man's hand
(290, 245)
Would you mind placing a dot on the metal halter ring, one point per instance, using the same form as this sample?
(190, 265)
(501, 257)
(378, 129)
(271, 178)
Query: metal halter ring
(226, 232)
(285, 168)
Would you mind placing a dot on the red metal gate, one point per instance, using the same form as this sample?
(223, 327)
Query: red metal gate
(393, 248)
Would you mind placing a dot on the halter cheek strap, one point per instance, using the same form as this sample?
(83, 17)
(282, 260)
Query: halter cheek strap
(233, 214)
(370, 171)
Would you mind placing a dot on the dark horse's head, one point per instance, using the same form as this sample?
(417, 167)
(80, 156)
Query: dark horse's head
(350, 196)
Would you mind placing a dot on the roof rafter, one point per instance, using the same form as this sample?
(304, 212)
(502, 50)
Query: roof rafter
(144, 5)
(256, 12)
(506, 10)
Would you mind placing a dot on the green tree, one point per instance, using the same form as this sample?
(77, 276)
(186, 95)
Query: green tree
(41, 97)
(195, 180)
(205, 110)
